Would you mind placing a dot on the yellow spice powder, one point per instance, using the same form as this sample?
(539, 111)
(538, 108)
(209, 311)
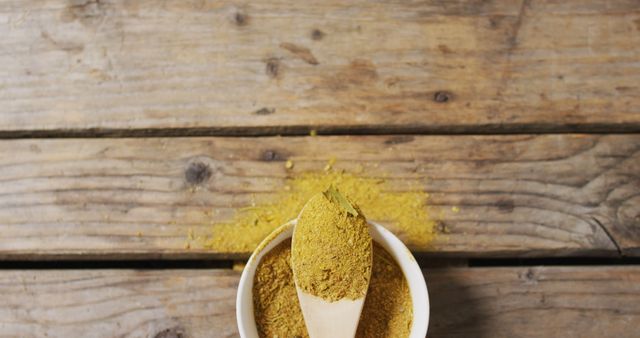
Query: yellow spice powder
(402, 212)
(275, 301)
(332, 248)
(387, 311)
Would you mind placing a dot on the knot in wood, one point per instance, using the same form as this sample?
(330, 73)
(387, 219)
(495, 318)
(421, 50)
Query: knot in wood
(241, 19)
(265, 111)
(197, 173)
(272, 68)
(174, 332)
(442, 96)
(317, 34)
(271, 155)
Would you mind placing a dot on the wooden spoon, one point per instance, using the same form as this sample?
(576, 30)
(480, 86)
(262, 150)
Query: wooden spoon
(326, 319)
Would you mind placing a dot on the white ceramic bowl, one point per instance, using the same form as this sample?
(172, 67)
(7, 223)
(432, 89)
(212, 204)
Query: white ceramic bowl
(391, 243)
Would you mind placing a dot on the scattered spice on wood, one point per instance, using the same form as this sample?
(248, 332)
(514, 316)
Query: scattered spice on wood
(404, 212)
(330, 164)
(238, 266)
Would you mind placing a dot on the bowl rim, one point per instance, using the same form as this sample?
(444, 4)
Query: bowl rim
(400, 253)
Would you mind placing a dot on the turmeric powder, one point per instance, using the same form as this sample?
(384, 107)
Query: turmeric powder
(331, 249)
(275, 301)
(387, 312)
(403, 212)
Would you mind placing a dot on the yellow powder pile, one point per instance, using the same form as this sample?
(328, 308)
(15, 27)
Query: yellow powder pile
(387, 311)
(332, 248)
(403, 212)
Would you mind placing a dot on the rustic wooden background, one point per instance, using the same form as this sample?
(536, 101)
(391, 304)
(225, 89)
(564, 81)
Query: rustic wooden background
(524, 114)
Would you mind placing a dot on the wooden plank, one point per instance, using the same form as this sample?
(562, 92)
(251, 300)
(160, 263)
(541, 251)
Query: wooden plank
(465, 302)
(118, 303)
(535, 302)
(114, 67)
(518, 195)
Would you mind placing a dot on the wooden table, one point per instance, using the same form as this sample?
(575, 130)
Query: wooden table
(524, 114)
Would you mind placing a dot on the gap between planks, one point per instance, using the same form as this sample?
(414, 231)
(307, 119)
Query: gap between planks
(293, 131)
(425, 262)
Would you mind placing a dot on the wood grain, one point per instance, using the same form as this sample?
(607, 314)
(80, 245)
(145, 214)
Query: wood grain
(110, 67)
(118, 303)
(465, 302)
(534, 302)
(518, 195)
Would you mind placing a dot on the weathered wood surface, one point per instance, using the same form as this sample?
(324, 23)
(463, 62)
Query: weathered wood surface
(519, 195)
(275, 67)
(465, 302)
(118, 303)
(535, 302)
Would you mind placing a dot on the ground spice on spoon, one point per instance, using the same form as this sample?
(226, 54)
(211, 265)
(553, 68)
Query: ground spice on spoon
(332, 248)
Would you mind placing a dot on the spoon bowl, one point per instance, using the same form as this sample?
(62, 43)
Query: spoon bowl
(402, 255)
